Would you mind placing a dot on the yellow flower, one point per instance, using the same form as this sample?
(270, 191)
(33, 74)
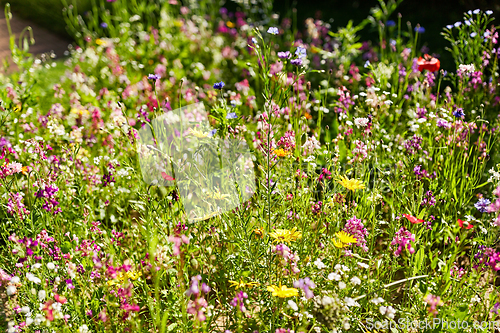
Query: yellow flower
(230, 24)
(179, 23)
(259, 232)
(197, 133)
(120, 277)
(351, 184)
(282, 291)
(343, 239)
(284, 235)
(242, 284)
(281, 152)
(24, 170)
(217, 195)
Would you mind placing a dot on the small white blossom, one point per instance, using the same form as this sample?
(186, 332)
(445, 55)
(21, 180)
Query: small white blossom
(319, 264)
(342, 285)
(356, 280)
(293, 305)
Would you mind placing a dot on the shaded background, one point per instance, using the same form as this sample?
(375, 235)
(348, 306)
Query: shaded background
(433, 15)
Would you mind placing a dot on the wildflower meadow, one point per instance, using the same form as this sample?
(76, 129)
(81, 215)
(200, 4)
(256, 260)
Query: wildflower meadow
(190, 168)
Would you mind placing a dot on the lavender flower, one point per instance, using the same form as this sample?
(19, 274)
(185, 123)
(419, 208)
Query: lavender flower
(154, 77)
(296, 62)
(231, 115)
(273, 31)
(459, 113)
(300, 52)
(284, 55)
(482, 205)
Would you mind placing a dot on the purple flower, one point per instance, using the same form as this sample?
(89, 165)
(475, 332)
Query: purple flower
(284, 55)
(219, 85)
(296, 62)
(273, 31)
(390, 23)
(154, 77)
(495, 308)
(212, 132)
(104, 25)
(459, 113)
(305, 284)
(231, 115)
(419, 30)
(482, 205)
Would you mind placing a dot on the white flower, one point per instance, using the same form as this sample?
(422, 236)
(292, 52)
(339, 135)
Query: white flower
(319, 264)
(25, 309)
(83, 329)
(342, 285)
(41, 295)
(39, 319)
(37, 265)
(388, 311)
(29, 321)
(31, 277)
(361, 122)
(377, 300)
(363, 265)
(15, 280)
(475, 299)
(11, 290)
(356, 280)
(51, 265)
(334, 276)
(350, 302)
(293, 305)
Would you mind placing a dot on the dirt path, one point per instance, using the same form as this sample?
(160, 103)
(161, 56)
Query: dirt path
(45, 41)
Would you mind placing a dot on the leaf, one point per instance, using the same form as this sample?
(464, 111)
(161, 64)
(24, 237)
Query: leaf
(419, 259)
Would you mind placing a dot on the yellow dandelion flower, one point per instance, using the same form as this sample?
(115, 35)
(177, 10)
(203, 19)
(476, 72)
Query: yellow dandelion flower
(197, 133)
(242, 284)
(281, 152)
(284, 235)
(351, 184)
(343, 239)
(217, 195)
(282, 291)
(259, 232)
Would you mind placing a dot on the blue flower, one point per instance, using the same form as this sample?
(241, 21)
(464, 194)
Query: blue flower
(449, 26)
(300, 52)
(367, 63)
(212, 132)
(254, 40)
(482, 205)
(296, 62)
(273, 31)
(473, 34)
(231, 115)
(457, 24)
(488, 12)
(219, 85)
(104, 25)
(459, 113)
(419, 30)
(477, 11)
(154, 77)
(390, 23)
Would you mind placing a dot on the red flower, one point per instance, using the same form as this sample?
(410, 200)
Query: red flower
(60, 299)
(464, 224)
(47, 308)
(167, 177)
(413, 219)
(428, 62)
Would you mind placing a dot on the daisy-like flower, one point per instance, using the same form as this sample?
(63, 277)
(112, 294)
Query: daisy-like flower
(351, 184)
(197, 133)
(273, 31)
(343, 239)
(281, 152)
(242, 284)
(285, 235)
(282, 291)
